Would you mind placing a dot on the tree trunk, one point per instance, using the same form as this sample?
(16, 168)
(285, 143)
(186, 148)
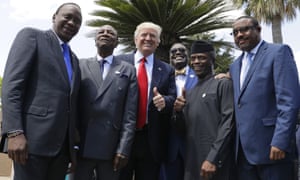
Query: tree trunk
(276, 30)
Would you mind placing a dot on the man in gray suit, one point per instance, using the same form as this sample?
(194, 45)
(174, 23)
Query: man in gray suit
(108, 104)
(40, 87)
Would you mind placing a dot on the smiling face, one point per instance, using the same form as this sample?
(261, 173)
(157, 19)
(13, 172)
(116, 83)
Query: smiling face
(246, 34)
(147, 40)
(67, 21)
(202, 64)
(178, 56)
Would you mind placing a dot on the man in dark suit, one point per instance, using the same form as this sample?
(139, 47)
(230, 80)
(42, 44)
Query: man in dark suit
(185, 80)
(150, 142)
(266, 100)
(39, 98)
(107, 103)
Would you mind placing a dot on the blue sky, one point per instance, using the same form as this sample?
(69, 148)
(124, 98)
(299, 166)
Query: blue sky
(16, 14)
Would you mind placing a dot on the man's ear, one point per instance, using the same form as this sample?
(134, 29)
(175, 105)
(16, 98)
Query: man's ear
(258, 28)
(53, 18)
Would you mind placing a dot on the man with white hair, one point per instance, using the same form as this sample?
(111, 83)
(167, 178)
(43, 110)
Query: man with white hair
(157, 93)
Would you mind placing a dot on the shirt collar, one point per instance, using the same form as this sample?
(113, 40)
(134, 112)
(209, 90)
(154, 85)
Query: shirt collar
(108, 59)
(254, 50)
(138, 56)
(59, 40)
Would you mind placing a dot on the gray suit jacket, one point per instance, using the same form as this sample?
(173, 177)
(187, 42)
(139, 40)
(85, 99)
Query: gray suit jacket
(107, 109)
(37, 96)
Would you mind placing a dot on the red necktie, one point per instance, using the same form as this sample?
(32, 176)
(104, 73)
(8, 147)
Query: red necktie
(143, 94)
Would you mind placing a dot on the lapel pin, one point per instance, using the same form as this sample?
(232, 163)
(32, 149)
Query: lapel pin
(203, 95)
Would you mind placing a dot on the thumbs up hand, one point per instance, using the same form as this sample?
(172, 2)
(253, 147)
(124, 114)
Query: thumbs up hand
(158, 100)
(180, 102)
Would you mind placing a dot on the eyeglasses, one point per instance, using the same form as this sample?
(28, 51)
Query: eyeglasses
(181, 50)
(242, 30)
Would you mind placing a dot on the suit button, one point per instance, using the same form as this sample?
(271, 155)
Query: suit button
(239, 105)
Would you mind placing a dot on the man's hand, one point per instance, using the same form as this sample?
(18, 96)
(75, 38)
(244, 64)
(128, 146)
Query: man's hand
(120, 161)
(180, 102)
(223, 75)
(276, 153)
(158, 100)
(207, 170)
(17, 149)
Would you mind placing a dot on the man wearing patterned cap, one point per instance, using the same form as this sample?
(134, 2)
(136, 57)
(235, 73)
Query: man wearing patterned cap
(209, 118)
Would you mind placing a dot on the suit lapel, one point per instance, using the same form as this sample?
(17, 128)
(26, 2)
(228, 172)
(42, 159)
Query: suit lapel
(156, 77)
(115, 68)
(259, 56)
(58, 55)
(191, 79)
(95, 71)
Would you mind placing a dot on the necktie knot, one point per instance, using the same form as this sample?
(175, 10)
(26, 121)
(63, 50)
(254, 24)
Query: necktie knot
(249, 57)
(65, 47)
(143, 60)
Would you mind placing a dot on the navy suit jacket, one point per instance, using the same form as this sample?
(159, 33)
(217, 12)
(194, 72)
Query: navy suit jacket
(266, 106)
(163, 77)
(177, 136)
(37, 96)
(107, 109)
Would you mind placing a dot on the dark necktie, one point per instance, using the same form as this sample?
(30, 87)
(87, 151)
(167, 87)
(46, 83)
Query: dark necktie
(143, 94)
(67, 57)
(102, 62)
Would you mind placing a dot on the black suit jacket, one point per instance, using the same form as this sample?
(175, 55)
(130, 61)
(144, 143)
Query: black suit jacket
(37, 96)
(163, 77)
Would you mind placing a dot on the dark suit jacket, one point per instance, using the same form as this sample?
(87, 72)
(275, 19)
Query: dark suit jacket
(177, 132)
(163, 77)
(36, 95)
(107, 109)
(266, 106)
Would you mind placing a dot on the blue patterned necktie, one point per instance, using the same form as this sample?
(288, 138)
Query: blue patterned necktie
(245, 67)
(67, 57)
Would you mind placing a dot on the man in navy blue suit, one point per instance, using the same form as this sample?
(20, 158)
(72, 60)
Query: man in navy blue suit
(151, 137)
(266, 99)
(185, 79)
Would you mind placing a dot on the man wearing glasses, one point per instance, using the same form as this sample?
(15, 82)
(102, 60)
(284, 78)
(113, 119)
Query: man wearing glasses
(185, 80)
(266, 100)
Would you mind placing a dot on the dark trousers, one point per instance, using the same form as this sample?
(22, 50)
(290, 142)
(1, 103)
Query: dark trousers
(42, 167)
(141, 164)
(276, 171)
(175, 170)
(92, 169)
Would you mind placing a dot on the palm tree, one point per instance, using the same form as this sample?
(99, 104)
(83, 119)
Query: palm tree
(272, 12)
(180, 19)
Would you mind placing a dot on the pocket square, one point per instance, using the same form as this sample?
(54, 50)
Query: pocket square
(122, 75)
